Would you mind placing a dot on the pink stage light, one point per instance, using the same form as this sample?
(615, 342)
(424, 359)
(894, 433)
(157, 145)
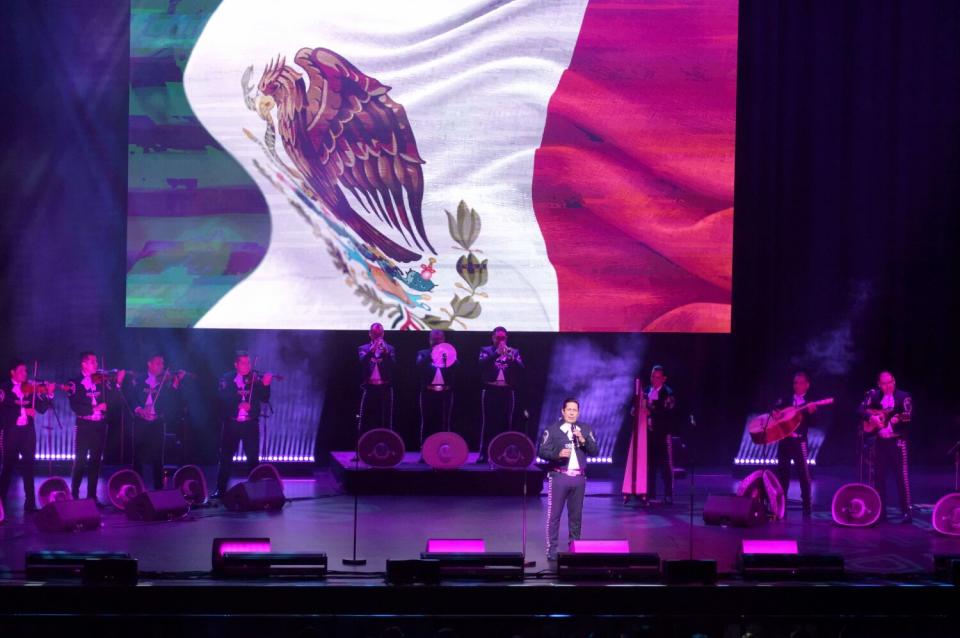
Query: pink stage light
(455, 546)
(600, 547)
(769, 546)
(223, 546)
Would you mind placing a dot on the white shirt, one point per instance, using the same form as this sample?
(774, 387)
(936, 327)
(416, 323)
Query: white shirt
(242, 414)
(437, 378)
(91, 388)
(22, 419)
(574, 463)
(887, 402)
(152, 383)
(799, 400)
(653, 394)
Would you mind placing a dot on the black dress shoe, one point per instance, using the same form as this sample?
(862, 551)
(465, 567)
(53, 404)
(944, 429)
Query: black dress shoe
(906, 519)
(217, 494)
(30, 508)
(552, 558)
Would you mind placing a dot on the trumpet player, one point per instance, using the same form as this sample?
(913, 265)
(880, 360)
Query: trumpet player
(436, 370)
(500, 369)
(377, 360)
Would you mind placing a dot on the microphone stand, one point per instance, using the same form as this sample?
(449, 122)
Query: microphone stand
(523, 509)
(356, 504)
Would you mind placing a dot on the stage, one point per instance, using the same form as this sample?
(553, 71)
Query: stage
(891, 564)
(319, 518)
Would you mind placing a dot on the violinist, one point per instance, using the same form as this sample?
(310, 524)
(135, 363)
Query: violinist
(377, 360)
(436, 369)
(794, 447)
(20, 402)
(89, 394)
(153, 397)
(500, 370)
(241, 396)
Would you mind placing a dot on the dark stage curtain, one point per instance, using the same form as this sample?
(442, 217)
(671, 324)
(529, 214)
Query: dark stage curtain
(846, 232)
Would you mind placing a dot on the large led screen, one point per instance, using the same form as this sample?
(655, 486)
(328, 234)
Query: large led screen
(546, 165)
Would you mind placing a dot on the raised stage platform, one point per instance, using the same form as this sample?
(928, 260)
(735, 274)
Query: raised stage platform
(413, 477)
(888, 568)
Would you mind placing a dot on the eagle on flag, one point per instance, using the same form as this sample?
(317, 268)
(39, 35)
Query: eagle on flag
(345, 131)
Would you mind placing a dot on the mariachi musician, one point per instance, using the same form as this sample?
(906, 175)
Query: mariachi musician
(241, 396)
(436, 370)
(377, 361)
(794, 448)
(89, 397)
(661, 403)
(886, 413)
(153, 398)
(500, 370)
(20, 402)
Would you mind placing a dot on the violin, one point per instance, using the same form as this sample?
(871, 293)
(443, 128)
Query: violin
(104, 376)
(42, 387)
(276, 377)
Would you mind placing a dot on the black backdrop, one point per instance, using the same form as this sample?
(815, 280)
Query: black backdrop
(846, 232)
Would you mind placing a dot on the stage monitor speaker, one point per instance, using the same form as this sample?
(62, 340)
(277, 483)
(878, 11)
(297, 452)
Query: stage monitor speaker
(856, 505)
(445, 451)
(591, 546)
(381, 448)
(54, 488)
(270, 564)
(157, 506)
(791, 566)
(49, 564)
(223, 546)
(511, 451)
(68, 516)
(733, 511)
(254, 496)
(675, 572)
(486, 566)
(946, 515)
(110, 571)
(409, 572)
(455, 546)
(630, 566)
(123, 486)
(190, 481)
(768, 546)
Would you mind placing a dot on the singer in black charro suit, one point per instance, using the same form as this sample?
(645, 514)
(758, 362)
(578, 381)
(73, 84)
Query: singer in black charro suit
(565, 446)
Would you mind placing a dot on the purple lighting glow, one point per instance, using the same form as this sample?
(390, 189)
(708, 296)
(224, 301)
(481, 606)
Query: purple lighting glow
(769, 546)
(600, 546)
(456, 546)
